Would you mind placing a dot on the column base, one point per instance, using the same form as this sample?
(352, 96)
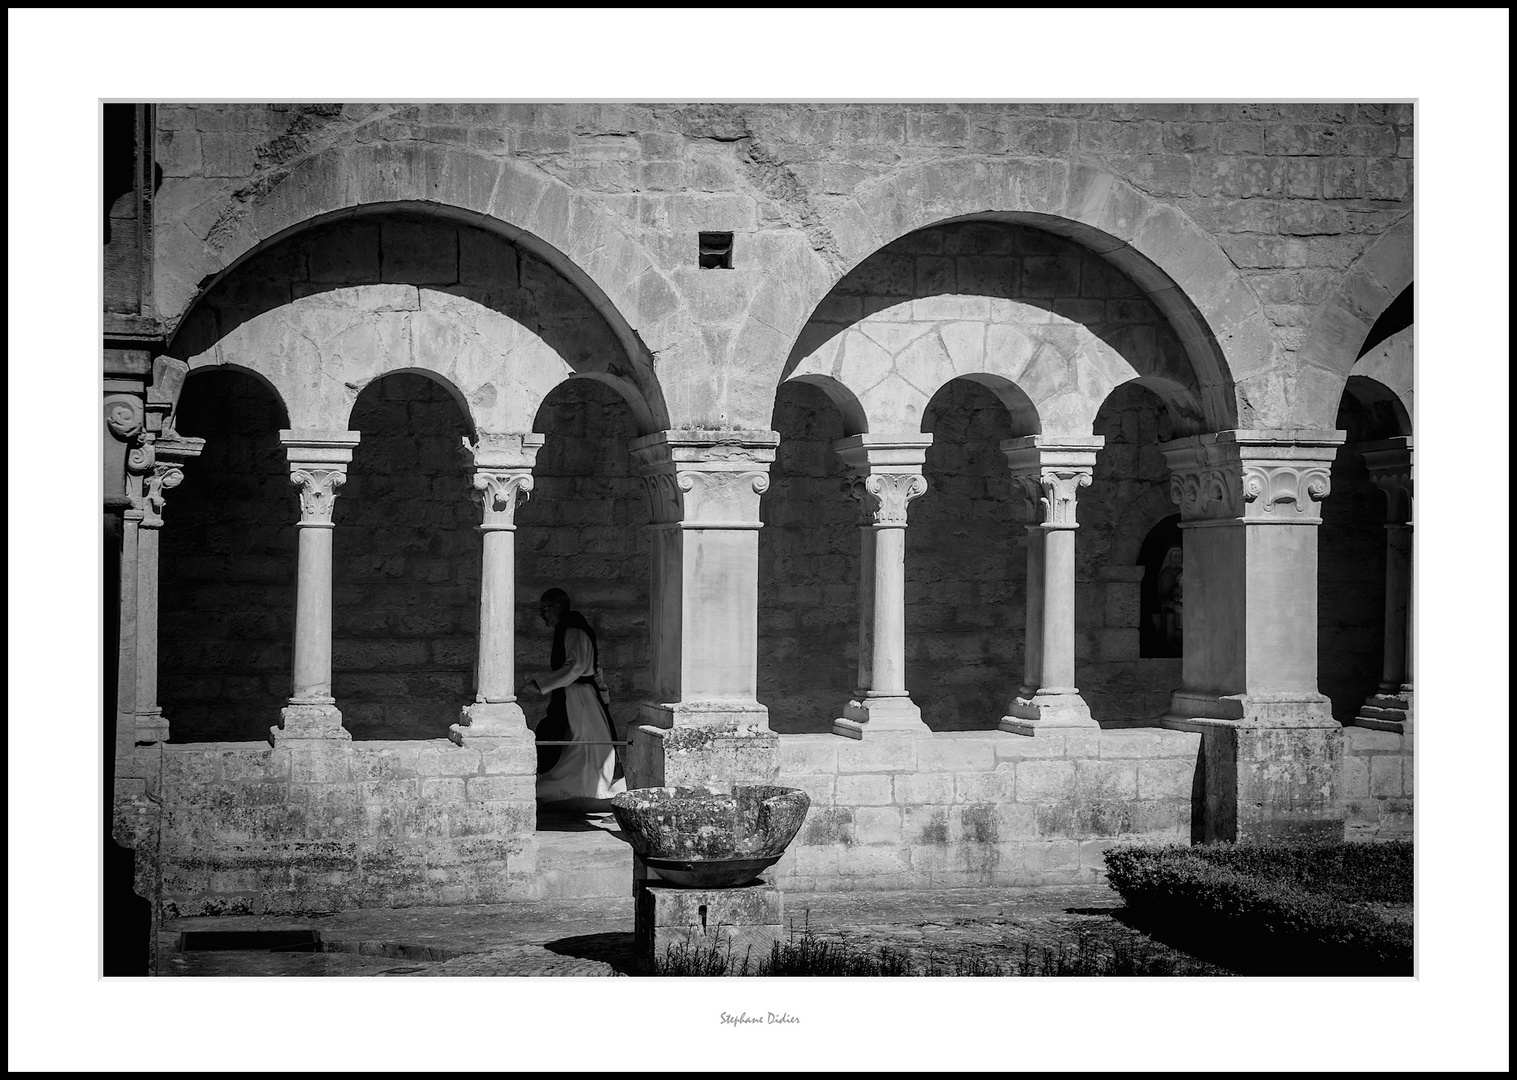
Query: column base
(151, 728)
(1387, 712)
(482, 720)
(1044, 713)
(882, 713)
(1273, 710)
(309, 721)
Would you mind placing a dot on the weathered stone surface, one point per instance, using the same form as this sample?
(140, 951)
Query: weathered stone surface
(703, 836)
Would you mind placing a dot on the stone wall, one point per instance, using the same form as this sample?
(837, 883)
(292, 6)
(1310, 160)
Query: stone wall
(981, 808)
(247, 829)
(584, 530)
(1377, 784)
(1286, 196)
(226, 602)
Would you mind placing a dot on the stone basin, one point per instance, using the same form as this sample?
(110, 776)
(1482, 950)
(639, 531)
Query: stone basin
(707, 838)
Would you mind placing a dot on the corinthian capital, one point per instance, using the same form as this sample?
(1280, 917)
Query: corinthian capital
(318, 493)
(500, 492)
(1050, 472)
(1275, 490)
(882, 497)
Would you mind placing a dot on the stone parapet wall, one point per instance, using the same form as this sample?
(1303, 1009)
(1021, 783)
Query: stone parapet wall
(1377, 784)
(981, 808)
(247, 829)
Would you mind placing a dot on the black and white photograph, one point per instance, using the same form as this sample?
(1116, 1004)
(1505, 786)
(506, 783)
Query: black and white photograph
(757, 545)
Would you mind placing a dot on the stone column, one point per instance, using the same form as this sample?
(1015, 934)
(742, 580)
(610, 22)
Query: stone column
(705, 723)
(1050, 471)
(885, 474)
(501, 478)
(318, 467)
(1249, 510)
(154, 467)
(1390, 467)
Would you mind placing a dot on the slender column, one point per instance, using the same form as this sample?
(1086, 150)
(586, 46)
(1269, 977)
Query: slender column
(1390, 467)
(500, 478)
(886, 474)
(318, 467)
(1050, 473)
(155, 467)
(703, 489)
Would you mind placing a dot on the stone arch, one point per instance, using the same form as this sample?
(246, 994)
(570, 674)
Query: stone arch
(1216, 315)
(499, 327)
(1342, 322)
(541, 214)
(242, 369)
(1389, 366)
(441, 380)
(855, 419)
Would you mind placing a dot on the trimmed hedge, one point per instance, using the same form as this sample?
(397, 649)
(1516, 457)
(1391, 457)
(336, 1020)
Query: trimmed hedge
(1278, 907)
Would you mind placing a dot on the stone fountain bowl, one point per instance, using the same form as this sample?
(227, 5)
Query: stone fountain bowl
(706, 838)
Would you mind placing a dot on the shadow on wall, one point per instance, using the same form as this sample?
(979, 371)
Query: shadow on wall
(226, 619)
(808, 570)
(405, 565)
(584, 530)
(1351, 560)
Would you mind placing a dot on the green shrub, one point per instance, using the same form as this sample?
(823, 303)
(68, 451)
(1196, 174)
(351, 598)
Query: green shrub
(1297, 908)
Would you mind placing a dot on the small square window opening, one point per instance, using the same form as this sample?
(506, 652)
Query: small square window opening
(716, 251)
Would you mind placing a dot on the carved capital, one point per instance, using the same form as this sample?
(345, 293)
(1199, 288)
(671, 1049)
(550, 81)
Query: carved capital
(499, 492)
(318, 492)
(1262, 477)
(722, 499)
(882, 497)
(1284, 491)
(704, 479)
(124, 416)
(1049, 473)
(1205, 492)
(1390, 469)
(165, 475)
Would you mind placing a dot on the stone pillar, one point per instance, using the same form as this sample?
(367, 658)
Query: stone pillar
(501, 478)
(885, 474)
(1390, 467)
(1050, 471)
(705, 723)
(1249, 510)
(318, 467)
(154, 467)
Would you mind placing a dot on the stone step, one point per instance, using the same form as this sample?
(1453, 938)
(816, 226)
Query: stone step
(581, 865)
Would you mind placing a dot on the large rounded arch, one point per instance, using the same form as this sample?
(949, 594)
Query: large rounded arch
(539, 213)
(1216, 315)
(1343, 321)
(326, 309)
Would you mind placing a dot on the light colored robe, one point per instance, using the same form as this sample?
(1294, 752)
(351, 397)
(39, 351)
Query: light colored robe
(582, 772)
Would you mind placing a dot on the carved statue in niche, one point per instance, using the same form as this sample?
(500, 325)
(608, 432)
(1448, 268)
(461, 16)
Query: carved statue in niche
(1169, 618)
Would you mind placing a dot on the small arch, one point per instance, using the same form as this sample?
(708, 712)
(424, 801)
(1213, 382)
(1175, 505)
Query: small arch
(431, 376)
(1391, 364)
(239, 369)
(1371, 410)
(1023, 413)
(854, 420)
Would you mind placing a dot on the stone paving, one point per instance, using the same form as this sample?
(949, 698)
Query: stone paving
(594, 937)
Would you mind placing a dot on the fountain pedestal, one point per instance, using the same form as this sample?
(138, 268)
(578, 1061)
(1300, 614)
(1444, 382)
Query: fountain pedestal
(738, 921)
